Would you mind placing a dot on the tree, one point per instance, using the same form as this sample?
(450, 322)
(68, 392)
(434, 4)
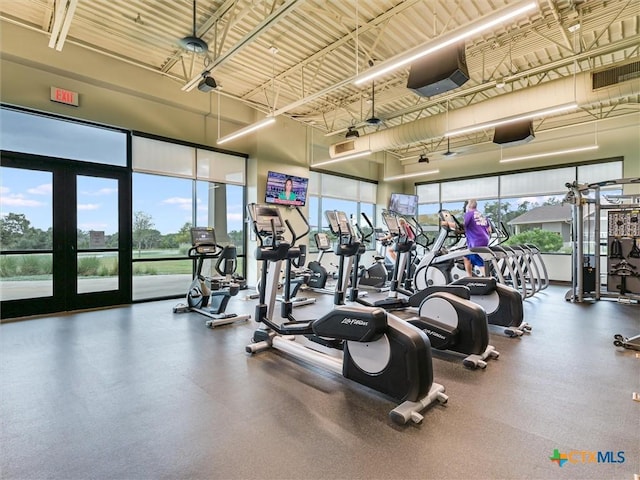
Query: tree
(111, 241)
(16, 233)
(13, 226)
(545, 240)
(152, 238)
(142, 226)
(83, 238)
(184, 234)
(496, 210)
(235, 238)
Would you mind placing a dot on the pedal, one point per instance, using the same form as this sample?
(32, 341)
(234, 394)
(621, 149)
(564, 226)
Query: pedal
(326, 342)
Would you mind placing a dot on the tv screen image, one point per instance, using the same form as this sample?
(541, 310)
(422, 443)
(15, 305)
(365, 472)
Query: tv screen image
(404, 204)
(286, 189)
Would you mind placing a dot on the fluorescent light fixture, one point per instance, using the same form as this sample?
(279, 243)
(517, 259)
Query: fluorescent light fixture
(344, 157)
(62, 22)
(451, 38)
(245, 130)
(410, 175)
(515, 118)
(550, 154)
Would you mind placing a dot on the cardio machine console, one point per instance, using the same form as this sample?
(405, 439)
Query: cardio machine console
(203, 240)
(265, 219)
(339, 223)
(450, 222)
(322, 241)
(391, 221)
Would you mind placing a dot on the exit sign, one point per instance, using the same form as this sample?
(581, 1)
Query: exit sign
(61, 95)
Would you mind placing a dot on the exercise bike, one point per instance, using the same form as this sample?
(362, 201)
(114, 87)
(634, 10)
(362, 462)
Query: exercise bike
(209, 296)
(378, 350)
(319, 275)
(377, 275)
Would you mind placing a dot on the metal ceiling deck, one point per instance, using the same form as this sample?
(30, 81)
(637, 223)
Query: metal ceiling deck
(297, 57)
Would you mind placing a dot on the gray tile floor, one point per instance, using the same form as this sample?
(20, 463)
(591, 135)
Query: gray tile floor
(140, 393)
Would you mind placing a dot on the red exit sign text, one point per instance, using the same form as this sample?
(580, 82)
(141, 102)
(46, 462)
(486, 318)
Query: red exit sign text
(61, 95)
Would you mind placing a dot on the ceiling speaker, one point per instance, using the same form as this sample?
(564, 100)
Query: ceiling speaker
(512, 134)
(439, 72)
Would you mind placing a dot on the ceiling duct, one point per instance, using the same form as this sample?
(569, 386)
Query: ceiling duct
(539, 97)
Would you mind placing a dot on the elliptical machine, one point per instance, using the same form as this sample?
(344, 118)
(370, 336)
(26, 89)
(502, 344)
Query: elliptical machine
(379, 350)
(296, 275)
(403, 247)
(209, 296)
(503, 304)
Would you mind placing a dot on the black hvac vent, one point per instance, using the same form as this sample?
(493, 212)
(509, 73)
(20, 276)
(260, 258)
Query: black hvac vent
(615, 75)
(440, 72)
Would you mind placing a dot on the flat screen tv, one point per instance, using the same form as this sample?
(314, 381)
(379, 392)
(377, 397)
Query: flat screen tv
(286, 189)
(404, 204)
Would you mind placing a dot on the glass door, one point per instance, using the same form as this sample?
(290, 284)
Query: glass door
(64, 241)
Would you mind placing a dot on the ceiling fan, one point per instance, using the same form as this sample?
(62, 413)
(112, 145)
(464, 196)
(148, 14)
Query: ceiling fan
(193, 43)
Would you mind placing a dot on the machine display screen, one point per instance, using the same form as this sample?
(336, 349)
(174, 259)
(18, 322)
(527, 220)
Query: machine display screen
(203, 236)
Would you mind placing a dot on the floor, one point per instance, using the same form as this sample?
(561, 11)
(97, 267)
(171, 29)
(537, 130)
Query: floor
(141, 393)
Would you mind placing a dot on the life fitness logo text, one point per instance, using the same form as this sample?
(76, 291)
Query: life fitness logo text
(581, 457)
(354, 321)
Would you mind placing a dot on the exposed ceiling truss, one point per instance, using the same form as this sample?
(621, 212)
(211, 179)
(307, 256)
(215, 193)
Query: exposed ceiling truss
(299, 57)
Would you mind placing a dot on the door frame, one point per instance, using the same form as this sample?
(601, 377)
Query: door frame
(65, 296)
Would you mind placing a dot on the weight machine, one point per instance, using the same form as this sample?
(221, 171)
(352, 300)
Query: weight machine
(622, 248)
(622, 238)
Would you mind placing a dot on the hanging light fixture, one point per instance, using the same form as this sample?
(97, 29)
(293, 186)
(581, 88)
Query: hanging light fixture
(451, 38)
(340, 159)
(248, 129)
(550, 154)
(410, 175)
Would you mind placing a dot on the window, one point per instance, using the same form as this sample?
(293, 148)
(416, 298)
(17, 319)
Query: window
(529, 204)
(39, 135)
(176, 187)
(331, 192)
(26, 234)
